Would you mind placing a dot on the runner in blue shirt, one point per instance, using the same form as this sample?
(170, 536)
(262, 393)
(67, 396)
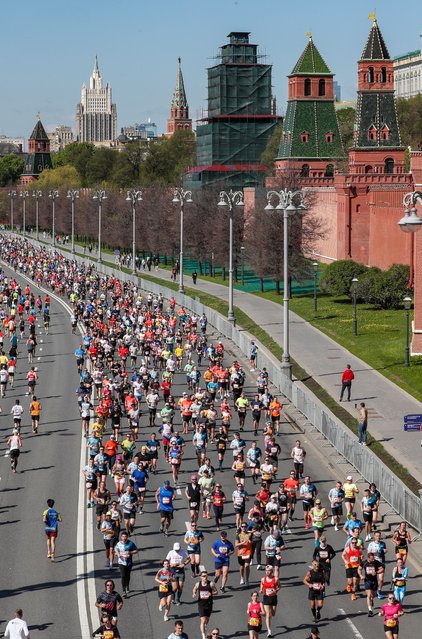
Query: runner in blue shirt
(222, 549)
(51, 519)
(125, 549)
(164, 496)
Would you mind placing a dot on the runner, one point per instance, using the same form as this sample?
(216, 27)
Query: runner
(204, 592)
(269, 588)
(35, 412)
(125, 549)
(399, 579)
(391, 611)
(371, 569)
(401, 539)
(255, 611)
(51, 518)
(165, 581)
(15, 444)
(315, 581)
(193, 538)
(221, 549)
(164, 496)
(178, 559)
(352, 557)
(336, 497)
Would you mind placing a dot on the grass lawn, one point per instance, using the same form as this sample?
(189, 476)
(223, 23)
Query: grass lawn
(381, 335)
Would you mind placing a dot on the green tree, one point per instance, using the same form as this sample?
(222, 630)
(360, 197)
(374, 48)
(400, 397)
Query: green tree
(409, 113)
(346, 121)
(271, 150)
(337, 278)
(11, 167)
(99, 167)
(77, 154)
(168, 158)
(62, 178)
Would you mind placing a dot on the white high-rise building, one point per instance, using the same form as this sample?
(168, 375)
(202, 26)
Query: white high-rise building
(96, 115)
(408, 74)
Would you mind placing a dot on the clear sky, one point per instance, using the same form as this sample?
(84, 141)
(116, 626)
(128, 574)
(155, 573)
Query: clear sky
(47, 49)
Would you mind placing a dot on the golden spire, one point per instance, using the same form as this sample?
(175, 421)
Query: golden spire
(373, 17)
(309, 35)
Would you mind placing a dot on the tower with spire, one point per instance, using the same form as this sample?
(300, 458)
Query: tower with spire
(311, 144)
(377, 146)
(38, 158)
(179, 109)
(96, 115)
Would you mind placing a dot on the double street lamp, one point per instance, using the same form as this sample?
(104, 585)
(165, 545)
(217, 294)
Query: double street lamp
(231, 199)
(73, 194)
(37, 194)
(53, 195)
(180, 197)
(24, 195)
(286, 205)
(354, 296)
(407, 304)
(12, 194)
(134, 196)
(99, 196)
(315, 267)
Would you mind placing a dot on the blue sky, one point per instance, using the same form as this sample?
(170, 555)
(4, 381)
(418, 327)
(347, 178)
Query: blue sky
(47, 49)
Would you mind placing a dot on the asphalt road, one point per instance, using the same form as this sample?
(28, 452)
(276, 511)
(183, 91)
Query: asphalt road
(53, 595)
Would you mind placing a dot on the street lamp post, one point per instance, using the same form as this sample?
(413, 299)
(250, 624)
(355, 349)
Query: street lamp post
(54, 194)
(24, 195)
(134, 196)
(73, 194)
(99, 195)
(407, 304)
(12, 194)
(37, 194)
(285, 204)
(315, 267)
(230, 199)
(180, 197)
(242, 255)
(355, 316)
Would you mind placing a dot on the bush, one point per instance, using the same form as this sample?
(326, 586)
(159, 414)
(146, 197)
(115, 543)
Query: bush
(337, 279)
(384, 289)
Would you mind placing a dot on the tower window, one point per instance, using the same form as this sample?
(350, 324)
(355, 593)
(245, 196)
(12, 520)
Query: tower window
(370, 75)
(329, 136)
(389, 165)
(329, 170)
(368, 168)
(307, 87)
(385, 133)
(383, 75)
(372, 133)
(304, 171)
(305, 137)
(321, 87)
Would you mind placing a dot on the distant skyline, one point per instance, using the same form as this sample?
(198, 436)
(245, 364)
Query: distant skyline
(48, 50)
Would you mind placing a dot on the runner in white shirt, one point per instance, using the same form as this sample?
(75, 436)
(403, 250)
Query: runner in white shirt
(17, 628)
(17, 411)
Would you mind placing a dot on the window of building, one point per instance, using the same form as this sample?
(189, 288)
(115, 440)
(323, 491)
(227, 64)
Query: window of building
(389, 165)
(329, 137)
(304, 171)
(385, 132)
(368, 168)
(307, 90)
(305, 137)
(372, 132)
(383, 75)
(329, 170)
(321, 87)
(370, 75)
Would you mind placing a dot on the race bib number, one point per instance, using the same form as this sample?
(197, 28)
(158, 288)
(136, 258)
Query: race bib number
(391, 623)
(253, 621)
(163, 588)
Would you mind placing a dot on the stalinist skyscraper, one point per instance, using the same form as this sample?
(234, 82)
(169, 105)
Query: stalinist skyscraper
(96, 115)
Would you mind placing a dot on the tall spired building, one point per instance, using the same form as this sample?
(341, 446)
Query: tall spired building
(96, 115)
(179, 109)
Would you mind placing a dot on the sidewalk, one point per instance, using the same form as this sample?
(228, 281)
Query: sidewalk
(324, 360)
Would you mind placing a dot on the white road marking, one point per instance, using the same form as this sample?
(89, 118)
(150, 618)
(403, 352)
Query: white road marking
(178, 491)
(38, 358)
(351, 625)
(40, 349)
(202, 568)
(41, 341)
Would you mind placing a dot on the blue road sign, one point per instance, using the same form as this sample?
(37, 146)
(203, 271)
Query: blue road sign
(413, 423)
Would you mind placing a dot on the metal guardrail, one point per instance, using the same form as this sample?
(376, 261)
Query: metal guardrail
(401, 499)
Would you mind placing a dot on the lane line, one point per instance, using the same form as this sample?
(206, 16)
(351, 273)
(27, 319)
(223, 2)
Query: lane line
(351, 625)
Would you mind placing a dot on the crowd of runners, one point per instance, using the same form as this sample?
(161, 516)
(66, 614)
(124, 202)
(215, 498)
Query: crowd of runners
(136, 351)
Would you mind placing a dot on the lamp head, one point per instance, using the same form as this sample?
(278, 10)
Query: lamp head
(407, 302)
(315, 265)
(269, 207)
(188, 199)
(291, 209)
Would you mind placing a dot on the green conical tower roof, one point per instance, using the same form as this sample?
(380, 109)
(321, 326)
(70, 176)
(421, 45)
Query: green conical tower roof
(39, 133)
(311, 62)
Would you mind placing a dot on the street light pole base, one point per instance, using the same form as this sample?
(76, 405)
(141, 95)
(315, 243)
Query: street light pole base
(182, 290)
(286, 369)
(231, 317)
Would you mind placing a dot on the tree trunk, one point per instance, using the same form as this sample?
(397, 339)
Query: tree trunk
(261, 281)
(224, 273)
(200, 267)
(277, 287)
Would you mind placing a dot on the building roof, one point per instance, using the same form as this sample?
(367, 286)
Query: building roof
(375, 47)
(411, 54)
(179, 99)
(39, 133)
(311, 61)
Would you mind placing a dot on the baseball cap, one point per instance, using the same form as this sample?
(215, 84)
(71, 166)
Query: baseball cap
(317, 501)
(112, 436)
(108, 513)
(176, 546)
(349, 477)
(167, 483)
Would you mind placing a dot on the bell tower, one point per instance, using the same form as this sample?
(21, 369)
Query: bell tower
(179, 109)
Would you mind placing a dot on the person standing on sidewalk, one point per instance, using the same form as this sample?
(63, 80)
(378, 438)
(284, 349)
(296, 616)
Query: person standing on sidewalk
(346, 382)
(362, 423)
